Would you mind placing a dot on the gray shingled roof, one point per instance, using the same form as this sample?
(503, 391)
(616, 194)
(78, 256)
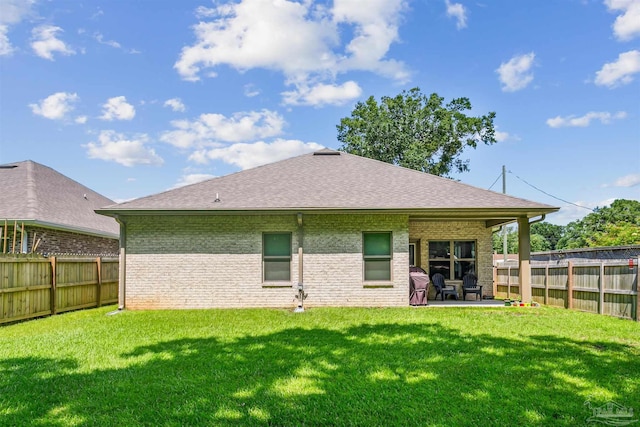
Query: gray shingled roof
(331, 180)
(35, 193)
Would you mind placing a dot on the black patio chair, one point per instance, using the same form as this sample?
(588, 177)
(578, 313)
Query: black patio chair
(470, 286)
(441, 287)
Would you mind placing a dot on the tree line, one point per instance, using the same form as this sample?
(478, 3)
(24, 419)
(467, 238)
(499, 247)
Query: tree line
(615, 225)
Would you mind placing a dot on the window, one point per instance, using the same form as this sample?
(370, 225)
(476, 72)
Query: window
(276, 257)
(377, 256)
(412, 254)
(453, 267)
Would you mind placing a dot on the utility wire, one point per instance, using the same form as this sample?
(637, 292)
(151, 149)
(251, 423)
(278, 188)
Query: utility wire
(550, 195)
(494, 182)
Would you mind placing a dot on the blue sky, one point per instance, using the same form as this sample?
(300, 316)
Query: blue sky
(132, 98)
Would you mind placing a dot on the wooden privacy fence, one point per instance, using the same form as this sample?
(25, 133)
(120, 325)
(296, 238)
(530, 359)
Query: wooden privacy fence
(609, 287)
(33, 287)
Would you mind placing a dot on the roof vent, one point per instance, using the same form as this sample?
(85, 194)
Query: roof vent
(326, 152)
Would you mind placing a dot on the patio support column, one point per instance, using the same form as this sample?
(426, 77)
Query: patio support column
(524, 257)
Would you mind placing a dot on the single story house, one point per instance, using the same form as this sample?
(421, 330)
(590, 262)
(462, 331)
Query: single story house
(45, 212)
(344, 226)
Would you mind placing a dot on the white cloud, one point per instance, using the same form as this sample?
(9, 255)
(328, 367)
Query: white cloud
(502, 136)
(11, 13)
(205, 12)
(45, 43)
(81, 119)
(259, 153)
(5, 45)
(299, 39)
(583, 121)
(626, 25)
(116, 147)
(630, 180)
(323, 94)
(516, 74)
(214, 129)
(375, 28)
(117, 108)
(620, 72)
(192, 178)
(250, 91)
(175, 104)
(458, 11)
(569, 213)
(56, 106)
(100, 39)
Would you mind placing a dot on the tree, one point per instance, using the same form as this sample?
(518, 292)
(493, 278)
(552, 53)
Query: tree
(618, 224)
(512, 241)
(617, 235)
(543, 238)
(415, 131)
(551, 233)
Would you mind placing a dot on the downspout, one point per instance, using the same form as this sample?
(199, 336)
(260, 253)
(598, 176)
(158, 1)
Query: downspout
(300, 286)
(300, 250)
(539, 219)
(123, 263)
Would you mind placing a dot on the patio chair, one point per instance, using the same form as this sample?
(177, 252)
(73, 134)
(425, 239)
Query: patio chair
(418, 287)
(470, 286)
(441, 287)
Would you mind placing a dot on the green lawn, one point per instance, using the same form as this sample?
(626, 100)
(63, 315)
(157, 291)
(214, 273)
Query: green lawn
(438, 366)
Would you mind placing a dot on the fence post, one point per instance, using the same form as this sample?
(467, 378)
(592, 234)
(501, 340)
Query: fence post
(99, 289)
(54, 279)
(601, 290)
(570, 284)
(495, 280)
(508, 282)
(546, 285)
(637, 290)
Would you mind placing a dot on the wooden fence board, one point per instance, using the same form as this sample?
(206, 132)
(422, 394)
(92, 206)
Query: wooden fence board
(38, 287)
(609, 288)
(586, 301)
(586, 277)
(619, 306)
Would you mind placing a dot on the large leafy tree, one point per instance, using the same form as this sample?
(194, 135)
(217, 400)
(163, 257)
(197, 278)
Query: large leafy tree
(539, 242)
(551, 233)
(415, 131)
(618, 224)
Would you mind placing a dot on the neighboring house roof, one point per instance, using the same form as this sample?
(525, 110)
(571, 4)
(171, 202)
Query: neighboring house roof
(334, 181)
(36, 194)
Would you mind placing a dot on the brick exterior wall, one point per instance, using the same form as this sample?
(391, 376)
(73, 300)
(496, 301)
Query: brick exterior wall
(216, 261)
(457, 230)
(61, 242)
(176, 262)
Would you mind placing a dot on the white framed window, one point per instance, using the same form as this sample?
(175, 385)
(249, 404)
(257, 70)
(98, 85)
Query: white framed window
(276, 257)
(377, 255)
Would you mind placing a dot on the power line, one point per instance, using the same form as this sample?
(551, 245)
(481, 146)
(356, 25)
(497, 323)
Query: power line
(494, 182)
(550, 195)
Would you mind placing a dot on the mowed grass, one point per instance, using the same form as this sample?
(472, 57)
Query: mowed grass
(361, 367)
